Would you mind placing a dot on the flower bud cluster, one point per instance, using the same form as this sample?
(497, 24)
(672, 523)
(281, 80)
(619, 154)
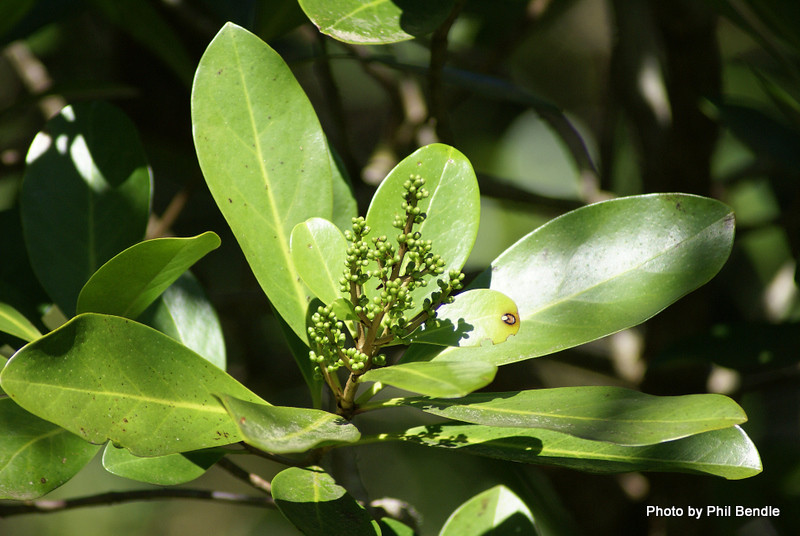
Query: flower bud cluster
(327, 335)
(397, 270)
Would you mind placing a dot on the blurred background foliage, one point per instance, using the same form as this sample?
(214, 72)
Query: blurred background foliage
(557, 103)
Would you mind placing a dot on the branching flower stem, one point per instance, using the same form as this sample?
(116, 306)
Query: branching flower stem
(396, 272)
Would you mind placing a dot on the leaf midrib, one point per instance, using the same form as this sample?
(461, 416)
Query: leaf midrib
(512, 411)
(351, 14)
(277, 223)
(552, 304)
(24, 447)
(170, 403)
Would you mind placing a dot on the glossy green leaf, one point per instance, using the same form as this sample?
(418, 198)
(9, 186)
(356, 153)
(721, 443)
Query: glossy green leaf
(378, 21)
(439, 379)
(85, 196)
(603, 268)
(453, 208)
(110, 378)
(127, 284)
(36, 456)
(169, 470)
(497, 511)
(311, 499)
(598, 413)
(264, 157)
(728, 452)
(319, 252)
(184, 313)
(343, 309)
(14, 323)
(476, 317)
(286, 429)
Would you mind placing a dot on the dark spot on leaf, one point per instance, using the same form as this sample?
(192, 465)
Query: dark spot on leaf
(509, 318)
(124, 419)
(242, 420)
(43, 480)
(219, 72)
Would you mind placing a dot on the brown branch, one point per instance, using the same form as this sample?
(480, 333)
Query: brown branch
(159, 227)
(245, 476)
(117, 497)
(34, 76)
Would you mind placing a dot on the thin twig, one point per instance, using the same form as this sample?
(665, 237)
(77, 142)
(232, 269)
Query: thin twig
(116, 497)
(159, 227)
(34, 76)
(245, 476)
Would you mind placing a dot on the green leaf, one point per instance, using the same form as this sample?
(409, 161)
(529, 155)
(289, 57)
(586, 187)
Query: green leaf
(440, 379)
(317, 506)
(127, 284)
(474, 318)
(453, 209)
(603, 268)
(728, 452)
(497, 511)
(375, 22)
(14, 323)
(319, 253)
(169, 470)
(264, 157)
(286, 429)
(36, 456)
(184, 313)
(598, 413)
(85, 196)
(109, 378)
